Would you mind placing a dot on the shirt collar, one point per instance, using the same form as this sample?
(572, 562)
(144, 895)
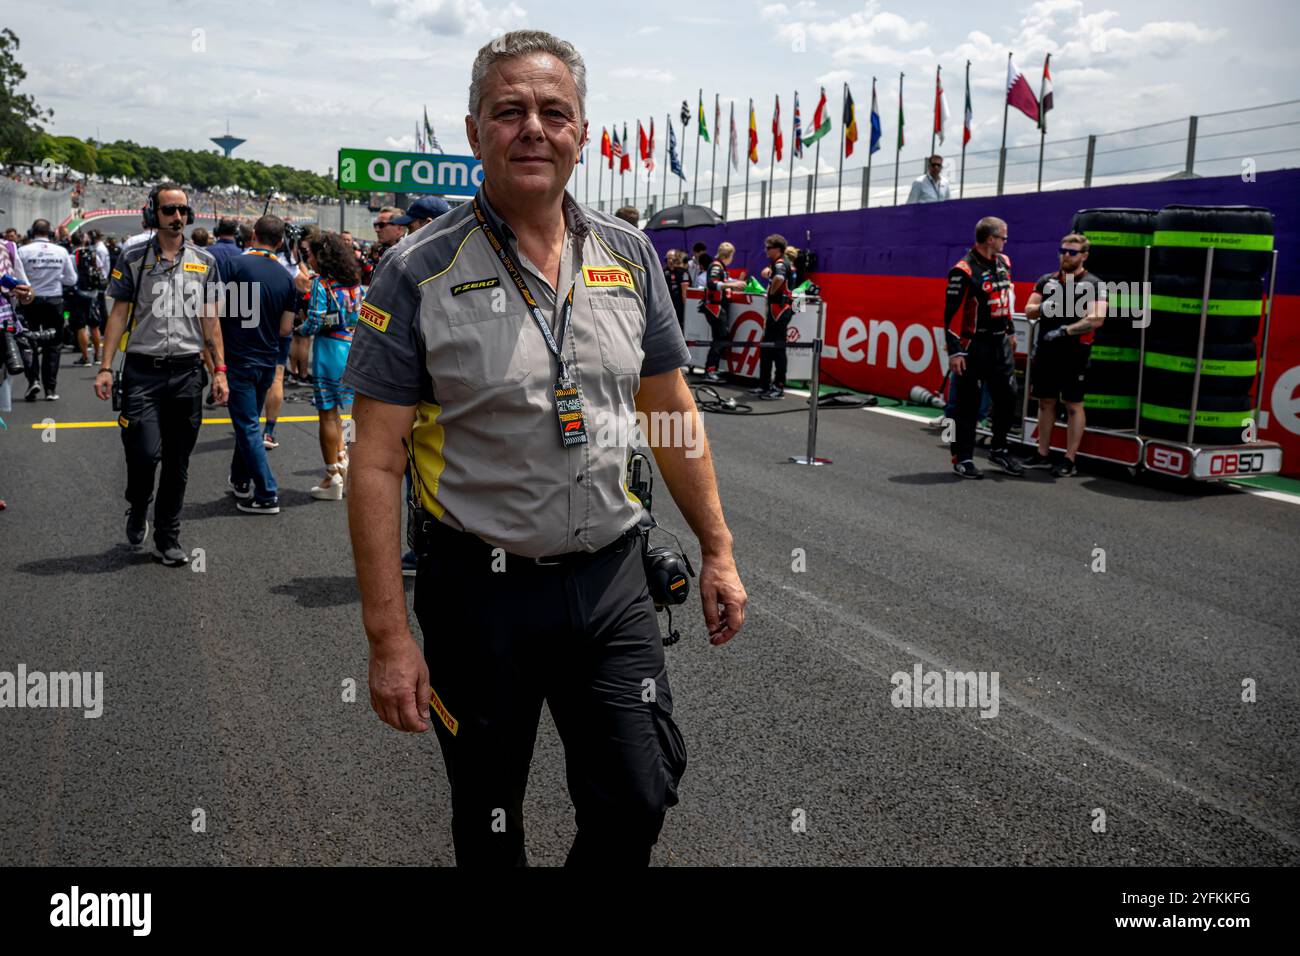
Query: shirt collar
(575, 220)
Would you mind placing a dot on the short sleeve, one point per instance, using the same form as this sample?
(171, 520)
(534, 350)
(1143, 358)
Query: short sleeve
(387, 358)
(663, 345)
(121, 281)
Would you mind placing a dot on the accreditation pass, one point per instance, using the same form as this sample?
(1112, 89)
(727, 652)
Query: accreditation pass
(568, 406)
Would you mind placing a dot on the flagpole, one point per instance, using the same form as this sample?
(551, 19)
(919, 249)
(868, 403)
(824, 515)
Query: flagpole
(866, 183)
(600, 177)
(1002, 154)
(1042, 121)
(844, 129)
(789, 193)
(699, 102)
(898, 144)
(713, 163)
(961, 191)
(727, 162)
(751, 113)
(634, 165)
(771, 165)
(586, 161)
(681, 180)
(613, 161)
(663, 194)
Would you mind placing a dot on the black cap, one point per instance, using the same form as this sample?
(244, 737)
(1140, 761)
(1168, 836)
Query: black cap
(426, 207)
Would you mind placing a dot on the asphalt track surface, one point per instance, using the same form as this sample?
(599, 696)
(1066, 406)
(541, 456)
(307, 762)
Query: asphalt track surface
(1119, 691)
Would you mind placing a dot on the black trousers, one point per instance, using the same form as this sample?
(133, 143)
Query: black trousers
(162, 410)
(774, 330)
(720, 324)
(989, 361)
(584, 639)
(44, 312)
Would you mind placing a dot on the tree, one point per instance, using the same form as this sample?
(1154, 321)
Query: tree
(20, 117)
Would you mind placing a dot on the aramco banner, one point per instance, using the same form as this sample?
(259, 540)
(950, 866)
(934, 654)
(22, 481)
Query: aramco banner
(376, 170)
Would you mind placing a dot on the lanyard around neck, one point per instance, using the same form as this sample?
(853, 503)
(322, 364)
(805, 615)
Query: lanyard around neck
(554, 342)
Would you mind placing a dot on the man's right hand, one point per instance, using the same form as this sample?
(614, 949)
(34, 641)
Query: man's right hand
(399, 684)
(103, 385)
(957, 364)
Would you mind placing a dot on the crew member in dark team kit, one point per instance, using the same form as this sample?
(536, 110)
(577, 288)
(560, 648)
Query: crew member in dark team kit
(168, 288)
(494, 347)
(982, 349)
(717, 306)
(1070, 305)
(779, 313)
(677, 276)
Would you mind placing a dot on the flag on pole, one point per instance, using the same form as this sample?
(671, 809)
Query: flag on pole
(650, 148)
(850, 123)
(753, 134)
(797, 147)
(616, 160)
(626, 163)
(901, 141)
(1045, 100)
(430, 139)
(733, 148)
(704, 125)
(877, 132)
(717, 116)
(606, 147)
(970, 116)
(674, 163)
(940, 107)
(1019, 94)
(642, 144)
(821, 121)
(686, 113)
(777, 138)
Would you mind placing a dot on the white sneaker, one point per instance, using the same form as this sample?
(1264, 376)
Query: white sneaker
(330, 489)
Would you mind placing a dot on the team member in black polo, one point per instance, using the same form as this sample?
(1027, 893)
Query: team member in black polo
(167, 288)
(509, 334)
(777, 321)
(982, 348)
(717, 306)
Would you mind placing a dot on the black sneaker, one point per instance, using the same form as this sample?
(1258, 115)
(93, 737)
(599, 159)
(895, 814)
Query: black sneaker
(1002, 458)
(967, 469)
(83, 361)
(757, 391)
(137, 527)
(241, 491)
(172, 555)
(1065, 469)
(410, 564)
(773, 394)
(713, 376)
(1036, 461)
(254, 507)
(51, 396)
(33, 392)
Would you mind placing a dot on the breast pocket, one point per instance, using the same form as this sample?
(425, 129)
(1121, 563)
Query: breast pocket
(620, 327)
(494, 348)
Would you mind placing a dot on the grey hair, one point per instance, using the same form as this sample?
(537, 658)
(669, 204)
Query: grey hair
(521, 43)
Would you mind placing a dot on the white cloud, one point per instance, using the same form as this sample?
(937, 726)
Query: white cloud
(835, 76)
(453, 17)
(645, 74)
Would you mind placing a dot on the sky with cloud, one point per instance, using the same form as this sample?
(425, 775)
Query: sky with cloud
(298, 81)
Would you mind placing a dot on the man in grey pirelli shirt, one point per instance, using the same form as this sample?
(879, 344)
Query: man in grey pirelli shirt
(501, 340)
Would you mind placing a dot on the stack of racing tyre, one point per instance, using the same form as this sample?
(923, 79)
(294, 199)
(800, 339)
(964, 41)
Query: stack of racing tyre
(1242, 239)
(1117, 239)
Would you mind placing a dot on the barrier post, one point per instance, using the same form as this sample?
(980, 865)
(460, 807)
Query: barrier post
(1200, 343)
(815, 397)
(1263, 348)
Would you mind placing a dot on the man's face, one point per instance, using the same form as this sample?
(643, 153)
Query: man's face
(172, 206)
(998, 240)
(936, 167)
(1072, 257)
(385, 230)
(529, 129)
(415, 224)
(776, 252)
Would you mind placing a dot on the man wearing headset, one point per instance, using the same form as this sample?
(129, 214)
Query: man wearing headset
(167, 289)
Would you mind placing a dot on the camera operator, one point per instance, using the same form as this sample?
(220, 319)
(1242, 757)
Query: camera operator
(168, 288)
(49, 268)
(13, 291)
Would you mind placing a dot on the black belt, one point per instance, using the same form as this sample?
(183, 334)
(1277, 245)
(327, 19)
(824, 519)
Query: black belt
(164, 361)
(472, 542)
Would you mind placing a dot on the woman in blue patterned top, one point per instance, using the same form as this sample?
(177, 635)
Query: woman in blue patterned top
(334, 303)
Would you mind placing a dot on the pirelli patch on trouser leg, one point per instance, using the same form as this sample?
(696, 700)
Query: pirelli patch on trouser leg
(448, 721)
(375, 317)
(475, 284)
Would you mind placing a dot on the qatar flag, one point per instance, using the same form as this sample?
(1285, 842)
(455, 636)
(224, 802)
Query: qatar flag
(1019, 93)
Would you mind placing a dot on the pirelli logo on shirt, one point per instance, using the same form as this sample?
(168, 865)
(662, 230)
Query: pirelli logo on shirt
(375, 317)
(196, 267)
(448, 721)
(116, 274)
(475, 285)
(599, 276)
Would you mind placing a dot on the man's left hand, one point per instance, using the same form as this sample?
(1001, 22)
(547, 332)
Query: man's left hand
(219, 390)
(1055, 334)
(723, 597)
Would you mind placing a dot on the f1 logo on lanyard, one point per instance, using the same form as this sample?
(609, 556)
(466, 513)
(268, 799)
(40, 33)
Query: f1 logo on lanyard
(568, 401)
